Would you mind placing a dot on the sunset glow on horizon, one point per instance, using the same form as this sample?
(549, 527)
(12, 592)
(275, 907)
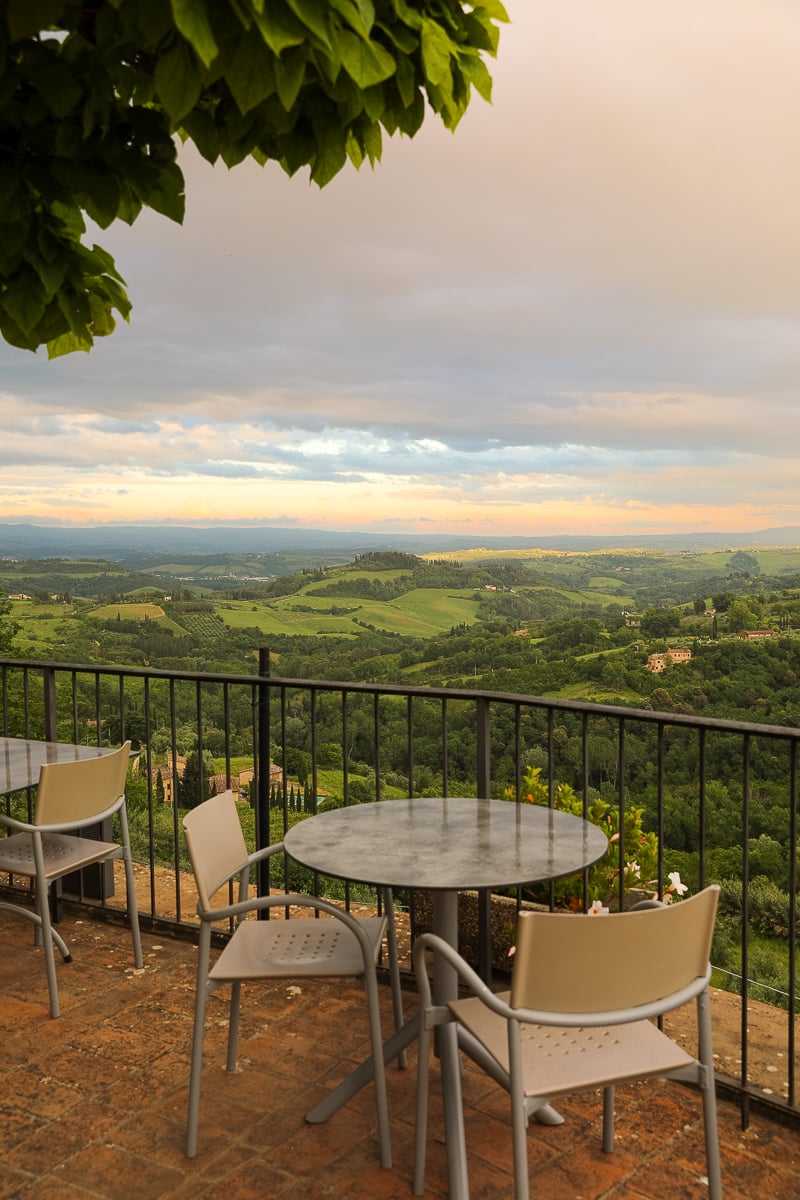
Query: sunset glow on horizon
(579, 314)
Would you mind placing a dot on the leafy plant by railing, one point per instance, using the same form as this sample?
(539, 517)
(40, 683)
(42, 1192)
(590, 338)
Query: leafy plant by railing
(640, 848)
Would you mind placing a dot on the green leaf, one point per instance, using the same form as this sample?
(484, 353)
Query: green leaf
(290, 72)
(331, 156)
(406, 81)
(75, 307)
(400, 36)
(314, 15)
(367, 63)
(102, 322)
(251, 72)
(178, 81)
(436, 51)
(56, 86)
(408, 15)
(25, 299)
(280, 29)
(359, 14)
(13, 334)
(494, 10)
(167, 195)
(51, 273)
(191, 19)
(67, 343)
(475, 71)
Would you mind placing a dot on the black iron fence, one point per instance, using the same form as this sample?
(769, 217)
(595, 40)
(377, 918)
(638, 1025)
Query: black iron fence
(680, 795)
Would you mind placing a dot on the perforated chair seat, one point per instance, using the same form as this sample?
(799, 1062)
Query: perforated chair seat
(558, 1061)
(62, 852)
(301, 946)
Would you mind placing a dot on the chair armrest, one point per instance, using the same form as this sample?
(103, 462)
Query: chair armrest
(443, 949)
(265, 852)
(17, 826)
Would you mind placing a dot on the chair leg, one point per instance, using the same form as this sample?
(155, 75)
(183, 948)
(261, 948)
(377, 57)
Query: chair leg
(608, 1119)
(421, 1121)
(394, 972)
(379, 1068)
(233, 1024)
(519, 1113)
(200, 1002)
(43, 909)
(130, 888)
(710, 1129)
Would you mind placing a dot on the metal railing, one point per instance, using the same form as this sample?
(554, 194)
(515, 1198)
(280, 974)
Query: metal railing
(720, 796)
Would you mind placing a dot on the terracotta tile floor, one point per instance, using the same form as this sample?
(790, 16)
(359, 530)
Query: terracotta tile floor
(94, 1103)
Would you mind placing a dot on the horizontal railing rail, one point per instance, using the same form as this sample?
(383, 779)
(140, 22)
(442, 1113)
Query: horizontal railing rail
(709, 798)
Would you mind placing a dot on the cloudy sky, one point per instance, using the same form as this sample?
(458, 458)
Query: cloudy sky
(580, 313)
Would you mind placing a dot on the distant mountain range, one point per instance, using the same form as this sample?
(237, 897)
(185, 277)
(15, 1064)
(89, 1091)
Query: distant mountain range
(121, 541)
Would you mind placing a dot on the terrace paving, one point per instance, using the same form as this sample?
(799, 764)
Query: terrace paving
(93, 1104)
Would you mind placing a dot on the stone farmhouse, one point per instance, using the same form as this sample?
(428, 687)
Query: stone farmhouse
(657, 662)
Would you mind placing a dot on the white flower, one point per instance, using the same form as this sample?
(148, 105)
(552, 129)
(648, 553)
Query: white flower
(675, 884)
(597, 909)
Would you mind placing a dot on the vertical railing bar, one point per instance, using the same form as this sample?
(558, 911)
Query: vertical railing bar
(122, 709)
(702, 809)
(226, 725)
(792, 986)
(97, 709)
(551, 788)
(74, 686)
(621, 794)
(484, 788)
(151, 850)
(445, 750)
(201, 766)
(517, 752)
(660, 735)
(585, 775)
(346, 779)
(745, 1107)
(410, 746)
(284, 789)
(50, 721)
(262, 777)
(173, 736)
(345, 772)
(376, 743)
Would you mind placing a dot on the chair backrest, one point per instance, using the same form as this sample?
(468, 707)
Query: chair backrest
(70, 793)
(216, 843)
(572, 964)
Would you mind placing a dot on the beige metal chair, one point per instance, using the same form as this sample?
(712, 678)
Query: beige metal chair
(276, 948)
(70, 796)
(579, 1016)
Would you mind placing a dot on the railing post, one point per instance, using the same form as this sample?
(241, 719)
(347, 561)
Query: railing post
(484, 780)
(262, 772)
(50, 724)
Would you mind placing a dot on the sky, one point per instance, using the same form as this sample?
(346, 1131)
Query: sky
(580, 313)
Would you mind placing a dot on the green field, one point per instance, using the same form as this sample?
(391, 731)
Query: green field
(129, 612)
(420, 613)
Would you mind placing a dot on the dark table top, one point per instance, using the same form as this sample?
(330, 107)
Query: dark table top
(22, 758)
(445, 844)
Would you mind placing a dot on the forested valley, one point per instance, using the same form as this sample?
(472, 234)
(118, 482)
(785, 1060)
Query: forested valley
(576, 626)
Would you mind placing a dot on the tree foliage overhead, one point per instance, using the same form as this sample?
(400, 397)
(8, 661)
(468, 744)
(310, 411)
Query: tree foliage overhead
(95, 95)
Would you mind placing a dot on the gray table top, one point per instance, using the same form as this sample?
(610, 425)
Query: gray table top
(22, 758)
(445, 844)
